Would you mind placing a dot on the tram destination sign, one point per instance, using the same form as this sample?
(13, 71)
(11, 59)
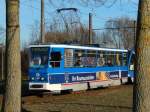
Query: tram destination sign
(39, 49)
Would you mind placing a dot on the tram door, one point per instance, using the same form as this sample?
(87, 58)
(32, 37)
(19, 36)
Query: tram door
(56, 60)
(131, 67)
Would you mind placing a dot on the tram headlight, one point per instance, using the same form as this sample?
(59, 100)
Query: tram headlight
(42, 78)
(32, 78)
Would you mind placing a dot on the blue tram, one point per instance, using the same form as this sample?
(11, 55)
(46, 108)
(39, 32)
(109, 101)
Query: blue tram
(69, 67)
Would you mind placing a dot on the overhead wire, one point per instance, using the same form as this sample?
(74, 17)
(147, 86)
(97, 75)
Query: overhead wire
(111, 4)
(52, 12)
(36, 8)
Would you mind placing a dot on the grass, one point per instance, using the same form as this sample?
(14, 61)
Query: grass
(114, 99)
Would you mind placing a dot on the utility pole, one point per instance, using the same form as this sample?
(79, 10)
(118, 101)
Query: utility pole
(90, 29)
(42, 22)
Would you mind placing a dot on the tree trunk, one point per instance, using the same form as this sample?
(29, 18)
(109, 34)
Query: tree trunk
(12, 96)
(141, 100)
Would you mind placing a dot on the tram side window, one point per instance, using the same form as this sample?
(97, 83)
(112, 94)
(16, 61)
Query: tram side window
(118, 58)
(78, 58)
(68, 57)
(55, 59)
(85, 58)
(91, 60)
(110, 59)
(101, 58)
(124, 59)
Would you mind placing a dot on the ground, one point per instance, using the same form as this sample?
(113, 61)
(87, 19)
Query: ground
(112, 99)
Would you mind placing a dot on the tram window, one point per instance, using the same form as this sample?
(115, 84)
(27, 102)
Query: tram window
(39, 56)
(124, 59)
(68, 58)
(91, 59)
(112, 56)
(132, 62)
(118, 58)
(132, 59)
(55, 59)
(85, 58)
(100, 58)
(40, 60)
(79, 56)
(44, 59)
(105, 57)
(110, 59)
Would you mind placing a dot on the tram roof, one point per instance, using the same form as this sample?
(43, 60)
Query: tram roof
(79, 47)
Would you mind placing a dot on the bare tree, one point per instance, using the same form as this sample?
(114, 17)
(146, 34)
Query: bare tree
(84, 3)
(121, 31)
(35, 33)
(141, 101)
(12, 96)
(66, 28)
(76, 35)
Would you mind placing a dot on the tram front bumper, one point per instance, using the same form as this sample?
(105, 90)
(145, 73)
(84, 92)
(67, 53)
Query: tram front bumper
(38, 86)
(45, 86)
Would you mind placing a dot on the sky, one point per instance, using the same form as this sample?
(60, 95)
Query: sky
(30, 13)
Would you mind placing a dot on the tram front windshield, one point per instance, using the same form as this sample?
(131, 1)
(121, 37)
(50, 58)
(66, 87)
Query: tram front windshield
(39, 56)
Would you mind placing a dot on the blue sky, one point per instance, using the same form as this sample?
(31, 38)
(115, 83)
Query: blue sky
(30, 12)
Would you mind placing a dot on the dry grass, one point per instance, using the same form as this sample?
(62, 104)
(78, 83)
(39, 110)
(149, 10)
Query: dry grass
(114, 99)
